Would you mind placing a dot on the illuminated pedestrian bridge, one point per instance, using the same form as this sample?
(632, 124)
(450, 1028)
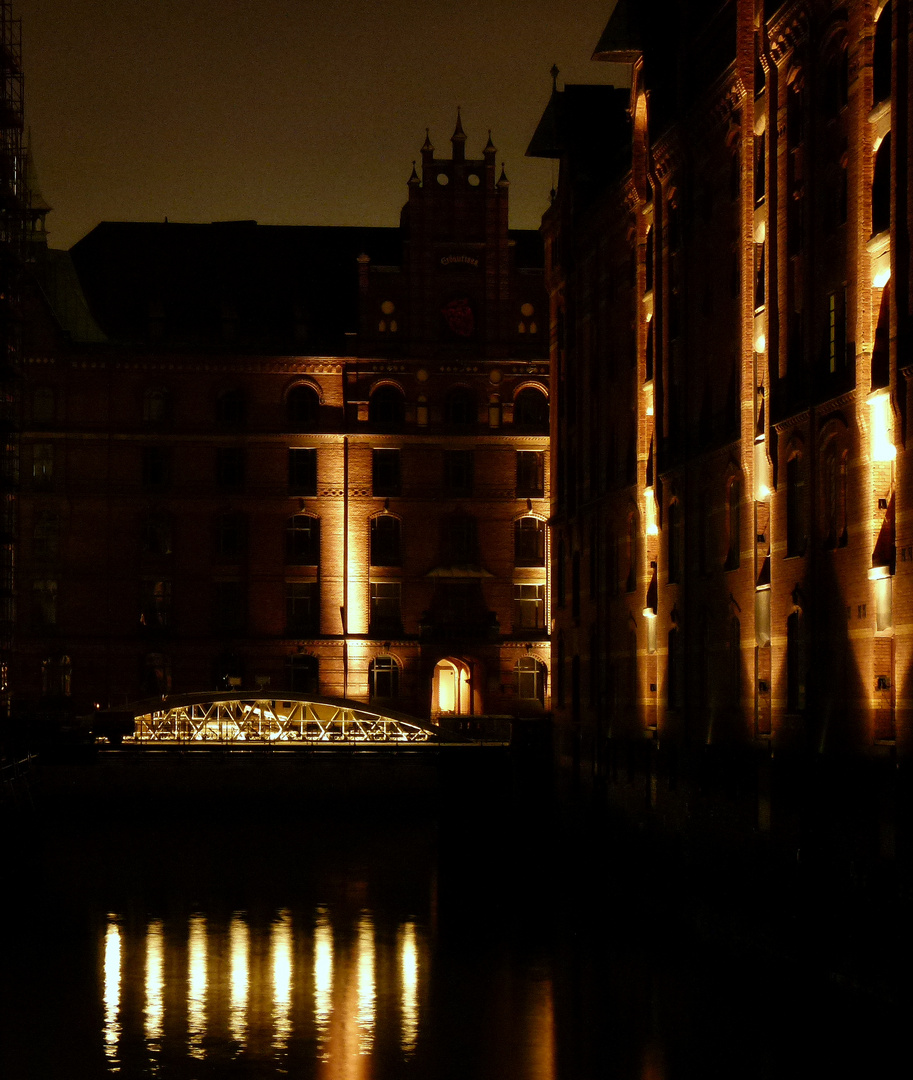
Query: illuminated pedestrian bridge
(240, 720)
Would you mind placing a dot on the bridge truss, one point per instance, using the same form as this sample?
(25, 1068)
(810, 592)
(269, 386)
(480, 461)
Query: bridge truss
(245, 721)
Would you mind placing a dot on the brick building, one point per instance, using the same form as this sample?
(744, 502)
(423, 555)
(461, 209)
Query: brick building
(728, 261)
(310, 459)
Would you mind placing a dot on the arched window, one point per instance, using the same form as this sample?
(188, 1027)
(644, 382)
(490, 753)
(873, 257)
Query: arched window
(793, 660)
(462, 410)
(46, 535)
(796, 527)
(386, 541)
(529, 542)
(734, 523)
(387, 406)
(383, 676)
(302, 406)
(155, 538)
(302, 540)
(529, 674)
(833, 488)
(881, 187)
(881, 57)
(531, 410)
(43, 405)
(302, 673)
(156, 406)
(231, 409)
(674, 538)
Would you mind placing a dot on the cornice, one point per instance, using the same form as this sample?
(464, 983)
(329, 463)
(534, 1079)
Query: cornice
(787, 31)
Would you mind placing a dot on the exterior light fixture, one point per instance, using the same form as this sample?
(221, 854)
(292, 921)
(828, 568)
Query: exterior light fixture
(881, 277)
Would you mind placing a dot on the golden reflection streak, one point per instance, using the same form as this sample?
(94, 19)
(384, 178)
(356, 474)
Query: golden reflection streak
(281, 948)
(323, 979)
(239, 986)
(155, 982)
(542, 1031)
(367, 989)
(112, 989)
(196, 986)
(408, 966)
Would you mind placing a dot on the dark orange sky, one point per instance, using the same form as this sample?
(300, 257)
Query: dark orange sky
(291, 112)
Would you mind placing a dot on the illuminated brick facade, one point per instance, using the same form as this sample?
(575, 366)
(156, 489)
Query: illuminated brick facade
(311, 459)
(728, 259)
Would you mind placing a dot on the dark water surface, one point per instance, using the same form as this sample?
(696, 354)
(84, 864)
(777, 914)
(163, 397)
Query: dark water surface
(478, 935)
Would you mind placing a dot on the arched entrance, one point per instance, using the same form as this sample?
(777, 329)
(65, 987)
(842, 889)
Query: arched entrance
(451, 693)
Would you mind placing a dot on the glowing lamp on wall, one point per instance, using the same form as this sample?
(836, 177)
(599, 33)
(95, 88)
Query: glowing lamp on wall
(761, 471)
(883, 448)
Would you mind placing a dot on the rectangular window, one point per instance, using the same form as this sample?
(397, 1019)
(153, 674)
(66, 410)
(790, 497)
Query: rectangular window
(386, 477)
(43, 463)
(156, 467)
(230, 536)
(44, 594)
(230, 467)
(155, 604)
(229, 606)
(529, 607)
(386, 607)
(530, 474)
(458, 472)
(302, 607)
(302, 471)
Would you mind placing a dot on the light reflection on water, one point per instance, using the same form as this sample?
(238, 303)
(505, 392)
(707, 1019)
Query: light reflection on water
(200, 980)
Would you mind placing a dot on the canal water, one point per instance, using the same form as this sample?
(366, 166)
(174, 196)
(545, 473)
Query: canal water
(486, 931)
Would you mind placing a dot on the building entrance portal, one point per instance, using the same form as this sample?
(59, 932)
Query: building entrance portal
(450, 690)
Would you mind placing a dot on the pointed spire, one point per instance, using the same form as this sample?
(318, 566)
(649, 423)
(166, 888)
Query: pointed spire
(489, 146)
(414, 178)
(458, 139)
(458, 132)
(554, 74)
(502, 179)
(426, 146)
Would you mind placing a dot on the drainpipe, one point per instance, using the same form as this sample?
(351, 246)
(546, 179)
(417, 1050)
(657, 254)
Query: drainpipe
(344, 610)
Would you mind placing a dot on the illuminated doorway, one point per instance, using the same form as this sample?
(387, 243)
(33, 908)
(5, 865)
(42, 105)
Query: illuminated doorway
(450, 689)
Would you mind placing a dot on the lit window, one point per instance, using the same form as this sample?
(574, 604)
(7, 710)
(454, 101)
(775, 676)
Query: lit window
(156, 406)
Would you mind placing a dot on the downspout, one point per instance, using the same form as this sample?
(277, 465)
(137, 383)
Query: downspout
(344, 610)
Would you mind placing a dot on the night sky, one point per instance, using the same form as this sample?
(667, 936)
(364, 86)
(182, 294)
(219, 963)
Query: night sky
(290, 112)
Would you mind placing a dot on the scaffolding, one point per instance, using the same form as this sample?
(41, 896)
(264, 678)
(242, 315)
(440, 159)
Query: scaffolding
(13, 221)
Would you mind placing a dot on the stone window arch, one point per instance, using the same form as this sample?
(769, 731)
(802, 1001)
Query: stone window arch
(383, 677)
(387, 405)
(302, 407)
(531, 409)
(386, 540)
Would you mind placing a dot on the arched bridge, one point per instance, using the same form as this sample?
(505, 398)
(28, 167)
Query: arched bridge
(244, 721)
